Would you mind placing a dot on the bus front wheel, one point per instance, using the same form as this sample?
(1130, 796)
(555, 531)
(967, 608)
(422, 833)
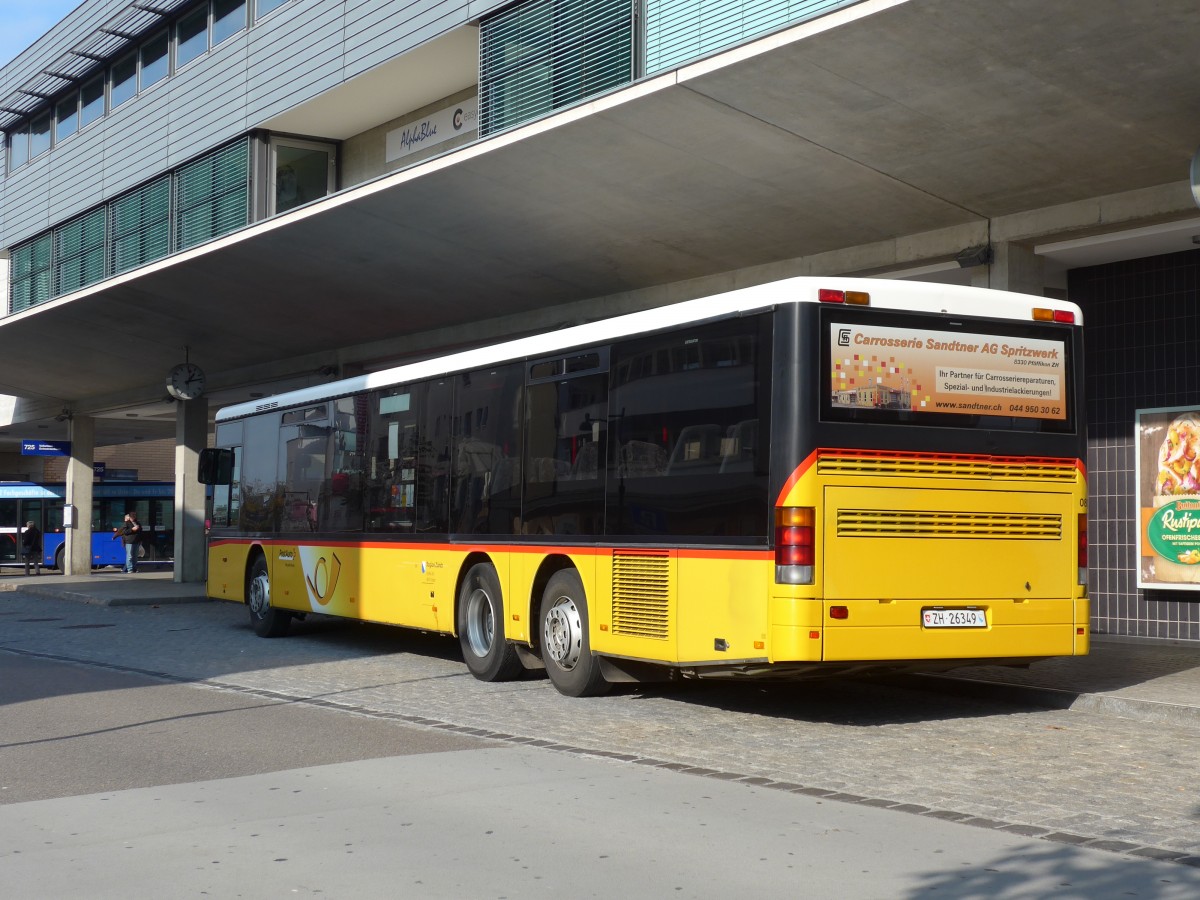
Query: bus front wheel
(267, 620)
(481, 627)
(60, 559)
(566, 646)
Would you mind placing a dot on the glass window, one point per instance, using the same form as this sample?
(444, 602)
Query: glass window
(340, 503)
(688, 458)
(226, 496)
(141, 227)
(392, 466)
(487, 451)
(124, 80)
(565, 441)
(260, 488)
(191, 36)
(79, 252)
(942, 384)
(213, 195)
(408, 459)
(155, 63)
(539, 55)
(301, 174)
(229, 17)
(262, 7)
(39, 135)
(66, 114)
(30, 270)
(91, 101)
(303, 449)
(18, 147)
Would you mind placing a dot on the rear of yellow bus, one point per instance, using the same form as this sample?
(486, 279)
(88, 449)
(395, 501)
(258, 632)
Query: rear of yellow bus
(934, 510)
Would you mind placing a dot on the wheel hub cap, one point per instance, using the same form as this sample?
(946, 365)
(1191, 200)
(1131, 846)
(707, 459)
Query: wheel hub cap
(564, 633)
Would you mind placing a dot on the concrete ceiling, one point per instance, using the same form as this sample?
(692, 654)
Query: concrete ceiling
(922, 115)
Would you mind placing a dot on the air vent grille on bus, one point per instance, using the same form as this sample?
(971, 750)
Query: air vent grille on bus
(921, 523)
(641, 589)
(945, 466)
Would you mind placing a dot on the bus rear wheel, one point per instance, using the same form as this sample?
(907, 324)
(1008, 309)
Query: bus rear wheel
(566, 646)
(481, 627)
(267, 620)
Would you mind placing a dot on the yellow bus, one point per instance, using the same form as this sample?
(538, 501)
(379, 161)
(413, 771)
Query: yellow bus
(814, 475)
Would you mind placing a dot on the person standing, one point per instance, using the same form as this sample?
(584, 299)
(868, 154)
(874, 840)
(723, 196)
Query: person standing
(131, 537)
(31, 548)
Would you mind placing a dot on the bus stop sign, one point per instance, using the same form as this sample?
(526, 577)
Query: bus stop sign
(45, 448)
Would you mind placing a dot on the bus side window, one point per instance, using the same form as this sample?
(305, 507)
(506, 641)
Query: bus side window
(224, 496)
(488, 413)
(687, 407)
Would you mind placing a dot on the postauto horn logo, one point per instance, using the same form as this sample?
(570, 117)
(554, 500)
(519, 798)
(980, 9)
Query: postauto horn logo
(321, 576)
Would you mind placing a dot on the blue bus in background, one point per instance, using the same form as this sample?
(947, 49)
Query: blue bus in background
(152, 501)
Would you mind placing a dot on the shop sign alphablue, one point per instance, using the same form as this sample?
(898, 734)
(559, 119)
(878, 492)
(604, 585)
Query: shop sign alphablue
(45, 448)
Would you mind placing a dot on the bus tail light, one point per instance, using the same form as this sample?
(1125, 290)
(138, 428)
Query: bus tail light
(794, 544)
(853, 298)
(1083, 548)
(1063, 316)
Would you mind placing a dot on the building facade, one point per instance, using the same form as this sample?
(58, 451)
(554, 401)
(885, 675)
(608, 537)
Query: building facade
(294, 189)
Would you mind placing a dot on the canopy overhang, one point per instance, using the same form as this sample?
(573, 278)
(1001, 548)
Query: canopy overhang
(886, 120)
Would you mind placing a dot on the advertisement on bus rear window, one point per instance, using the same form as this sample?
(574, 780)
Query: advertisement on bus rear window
(924, 371)
(1167, 446)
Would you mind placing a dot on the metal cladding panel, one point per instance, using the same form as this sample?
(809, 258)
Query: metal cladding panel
(74, 170)
(27, 206)
(136, 144)
(200, 117)
(292, 58)
(377, 31)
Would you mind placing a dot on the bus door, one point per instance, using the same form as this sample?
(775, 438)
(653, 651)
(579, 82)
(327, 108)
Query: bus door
(10, 538)
(53, 534)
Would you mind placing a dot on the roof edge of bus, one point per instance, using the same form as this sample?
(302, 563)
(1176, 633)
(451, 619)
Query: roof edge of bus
(918, 296)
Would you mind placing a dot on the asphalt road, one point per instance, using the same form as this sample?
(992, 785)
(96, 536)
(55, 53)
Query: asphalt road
(168, 752)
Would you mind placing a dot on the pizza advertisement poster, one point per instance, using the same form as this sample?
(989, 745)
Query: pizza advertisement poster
(1167, 448)
(947, 372)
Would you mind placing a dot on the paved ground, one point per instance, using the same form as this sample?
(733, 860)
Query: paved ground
(1100, 751)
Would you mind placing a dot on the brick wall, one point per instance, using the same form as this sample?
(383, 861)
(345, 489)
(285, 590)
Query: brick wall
(153, 461)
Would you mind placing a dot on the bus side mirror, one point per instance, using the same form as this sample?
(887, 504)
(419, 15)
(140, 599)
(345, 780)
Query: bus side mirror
(216, 465)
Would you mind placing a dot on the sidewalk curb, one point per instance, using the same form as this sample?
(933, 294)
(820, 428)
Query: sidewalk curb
(98, 599)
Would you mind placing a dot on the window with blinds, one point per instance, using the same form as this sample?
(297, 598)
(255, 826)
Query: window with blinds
(30, 267)
(678, 31)
(79, 252)
(197, 202)
(540, 55)
(141, 225)
(212, 195)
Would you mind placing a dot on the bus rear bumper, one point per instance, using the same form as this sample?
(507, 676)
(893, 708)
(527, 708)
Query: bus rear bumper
(816, 630)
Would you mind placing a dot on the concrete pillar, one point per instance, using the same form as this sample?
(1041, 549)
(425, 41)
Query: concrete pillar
(191, 436)
(77, 557)
(1014, 267)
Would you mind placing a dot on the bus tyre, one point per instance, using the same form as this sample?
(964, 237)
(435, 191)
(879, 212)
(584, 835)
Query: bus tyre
(481, 627)
(566, 646)
(266, 619)
(60, 557)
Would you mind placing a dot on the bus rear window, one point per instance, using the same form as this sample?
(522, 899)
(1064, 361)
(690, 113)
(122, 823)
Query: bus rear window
(974, 373)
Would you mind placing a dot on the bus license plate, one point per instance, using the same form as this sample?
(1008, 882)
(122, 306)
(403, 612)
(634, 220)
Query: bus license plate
(953, 618)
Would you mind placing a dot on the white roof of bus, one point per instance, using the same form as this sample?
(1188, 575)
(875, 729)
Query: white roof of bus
(913, 296)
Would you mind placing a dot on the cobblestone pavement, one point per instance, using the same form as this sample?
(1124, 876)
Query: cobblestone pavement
(1067, 774)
